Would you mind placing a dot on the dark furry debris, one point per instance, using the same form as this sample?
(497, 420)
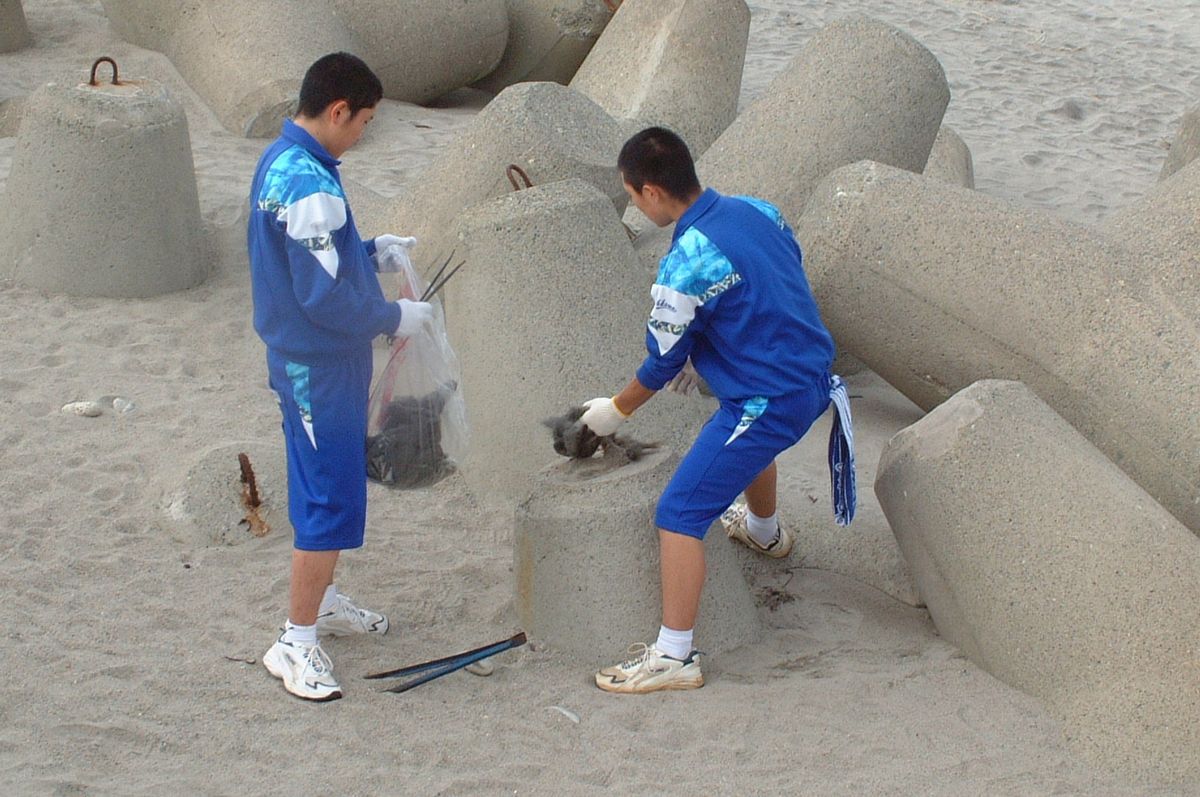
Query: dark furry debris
(575, 440)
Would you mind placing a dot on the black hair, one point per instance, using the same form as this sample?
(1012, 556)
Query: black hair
(658, 156)
(338, 76)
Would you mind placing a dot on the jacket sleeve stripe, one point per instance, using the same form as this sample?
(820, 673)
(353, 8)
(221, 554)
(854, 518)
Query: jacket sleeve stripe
(311, 222)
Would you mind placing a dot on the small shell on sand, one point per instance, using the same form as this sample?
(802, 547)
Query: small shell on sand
(566, 712)
(482, 667)
(86, 409)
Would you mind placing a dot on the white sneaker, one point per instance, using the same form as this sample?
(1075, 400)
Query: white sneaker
(734, 521)
(346, 618)
(650, 670)
(306, 672)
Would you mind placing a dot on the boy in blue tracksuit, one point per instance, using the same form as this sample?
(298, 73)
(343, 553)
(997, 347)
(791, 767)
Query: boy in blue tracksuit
(731, 295)
(317, 307)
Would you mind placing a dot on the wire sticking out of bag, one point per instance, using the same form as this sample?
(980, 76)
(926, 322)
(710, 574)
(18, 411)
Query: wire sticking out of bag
(440, 278)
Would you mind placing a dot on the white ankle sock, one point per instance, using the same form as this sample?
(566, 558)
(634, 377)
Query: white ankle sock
(329, 599)
(762, 529)
(305, 635)
(676, 644)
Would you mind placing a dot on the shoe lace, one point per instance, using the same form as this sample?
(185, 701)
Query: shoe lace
(350, 608)
(639, 652)
(319, 660)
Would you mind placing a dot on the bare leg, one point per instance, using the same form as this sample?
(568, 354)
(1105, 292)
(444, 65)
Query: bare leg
(312, 572)
(760, 495)
(682, 578)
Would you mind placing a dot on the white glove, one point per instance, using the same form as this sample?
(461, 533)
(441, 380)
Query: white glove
(602, 416)
(413, 316)
(687, 381)
(392, 253)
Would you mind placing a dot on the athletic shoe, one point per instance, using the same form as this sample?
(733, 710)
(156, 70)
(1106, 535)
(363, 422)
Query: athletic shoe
(734, 521)
(346, 618)
(305, 671)
(650, 670)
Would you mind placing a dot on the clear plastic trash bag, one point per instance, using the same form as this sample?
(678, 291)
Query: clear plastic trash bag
(416, 419)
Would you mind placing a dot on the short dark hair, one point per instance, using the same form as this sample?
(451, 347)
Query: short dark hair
(657, 155)
(338, 76)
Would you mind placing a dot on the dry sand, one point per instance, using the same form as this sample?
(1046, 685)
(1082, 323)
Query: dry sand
(126, 622)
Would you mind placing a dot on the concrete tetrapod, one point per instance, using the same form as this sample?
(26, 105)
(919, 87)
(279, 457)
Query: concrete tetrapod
(587, 567)
(102, 194)
(950, 160)
(676, 63)
(806, 123)
(1186, 144)
(547, 41)
(14, 32)
(1055, 572)
(246, 58)
(147, 23)
(422, 49)
(549, 131)
(935, 287)
(1162, 228)
(548, 311)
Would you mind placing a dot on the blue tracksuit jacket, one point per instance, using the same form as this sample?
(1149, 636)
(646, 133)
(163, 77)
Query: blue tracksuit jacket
(316, 296)
(732, 294)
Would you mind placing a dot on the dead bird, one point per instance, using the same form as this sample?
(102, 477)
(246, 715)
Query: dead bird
(408, 452)
(575, 440)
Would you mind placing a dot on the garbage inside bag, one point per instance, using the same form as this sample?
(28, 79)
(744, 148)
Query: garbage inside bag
(407, 451)
(416, 419)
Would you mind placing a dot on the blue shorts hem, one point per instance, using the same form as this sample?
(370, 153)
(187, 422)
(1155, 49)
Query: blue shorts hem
(318, 546)
(675, 527)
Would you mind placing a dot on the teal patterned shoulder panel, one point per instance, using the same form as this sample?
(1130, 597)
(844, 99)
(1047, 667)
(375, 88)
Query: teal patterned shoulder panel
(294, 175)
(696, 267)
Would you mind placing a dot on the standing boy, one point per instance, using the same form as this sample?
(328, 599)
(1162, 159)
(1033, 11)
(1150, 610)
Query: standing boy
(317, 307)
(730, 294)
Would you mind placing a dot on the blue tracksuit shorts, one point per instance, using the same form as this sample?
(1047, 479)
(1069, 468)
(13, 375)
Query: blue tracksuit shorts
(325, 428)
(738, 442)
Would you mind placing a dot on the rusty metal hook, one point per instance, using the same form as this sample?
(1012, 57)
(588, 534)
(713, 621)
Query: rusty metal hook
(101, 60)
(512, 167)
(613, 5)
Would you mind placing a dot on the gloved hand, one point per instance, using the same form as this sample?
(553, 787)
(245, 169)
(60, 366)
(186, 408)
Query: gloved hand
(413, 316)
(392, 253)
(602, 416)
(687, 381)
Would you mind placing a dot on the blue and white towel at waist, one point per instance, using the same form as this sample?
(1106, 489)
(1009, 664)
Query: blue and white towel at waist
(841, 455)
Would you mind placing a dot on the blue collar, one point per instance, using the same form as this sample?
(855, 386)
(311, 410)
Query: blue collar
(298, 135)
(697, 209)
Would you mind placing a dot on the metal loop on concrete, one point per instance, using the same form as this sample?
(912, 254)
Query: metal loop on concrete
(102, 59)
(513, 170)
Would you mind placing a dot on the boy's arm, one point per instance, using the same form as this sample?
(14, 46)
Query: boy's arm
(634, 395)
(314, 261)
(691, 281)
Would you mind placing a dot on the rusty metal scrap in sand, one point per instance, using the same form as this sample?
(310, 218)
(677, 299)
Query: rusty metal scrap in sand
(250, 500)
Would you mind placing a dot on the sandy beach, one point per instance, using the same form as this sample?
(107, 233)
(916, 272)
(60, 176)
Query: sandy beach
(137, 608)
